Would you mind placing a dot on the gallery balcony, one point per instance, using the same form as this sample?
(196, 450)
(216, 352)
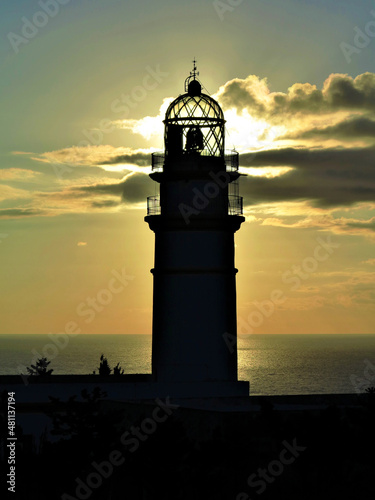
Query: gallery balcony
(235, 205)
(159, 158)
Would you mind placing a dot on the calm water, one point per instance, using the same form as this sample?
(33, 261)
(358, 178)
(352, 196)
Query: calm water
(274, 364)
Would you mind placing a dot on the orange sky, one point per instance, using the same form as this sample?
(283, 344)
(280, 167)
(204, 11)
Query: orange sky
(82, 114)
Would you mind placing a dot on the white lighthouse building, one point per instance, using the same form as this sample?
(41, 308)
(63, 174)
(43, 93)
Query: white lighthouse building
(194, 220)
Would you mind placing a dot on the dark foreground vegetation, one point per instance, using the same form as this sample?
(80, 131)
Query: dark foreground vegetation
(114, 451)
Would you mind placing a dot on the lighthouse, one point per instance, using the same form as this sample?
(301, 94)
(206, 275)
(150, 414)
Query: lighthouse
(194, 219)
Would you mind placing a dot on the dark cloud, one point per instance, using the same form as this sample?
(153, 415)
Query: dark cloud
(105, 204)
(326, 177)
(20, 212)
(133, 189)
(140, 159)
(352, 129)
(347, 158)
(370, 224)
(342, 91)
(106, 189)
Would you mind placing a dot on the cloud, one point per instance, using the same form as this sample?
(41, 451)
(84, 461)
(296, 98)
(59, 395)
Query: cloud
(327, 222)
(349, 129)
(95, 197)
(6, 213)
(325, 177)
(340, 92)
(9, 174)
(299, 215)
(84, 196)
(267, 172)
(133, 189)
(250, 93)
(27, 153)
(302, 303)
(149, 126)
(371, 262)
(318, 180)
(135, 158)
(342, 110)
(10, 193)
(356, 287)
(105, 204)
(362, 224)
(94, 156)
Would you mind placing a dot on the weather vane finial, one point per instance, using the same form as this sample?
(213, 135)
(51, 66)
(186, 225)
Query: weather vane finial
(194, 73)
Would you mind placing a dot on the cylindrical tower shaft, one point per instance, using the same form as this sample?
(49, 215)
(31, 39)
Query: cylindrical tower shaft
(194, 220)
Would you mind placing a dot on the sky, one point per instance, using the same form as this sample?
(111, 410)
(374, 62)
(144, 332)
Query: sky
(84, 88)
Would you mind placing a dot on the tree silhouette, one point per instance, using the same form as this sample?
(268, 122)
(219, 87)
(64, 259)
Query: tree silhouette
(104, 368)
(40, 368)
(117, 370)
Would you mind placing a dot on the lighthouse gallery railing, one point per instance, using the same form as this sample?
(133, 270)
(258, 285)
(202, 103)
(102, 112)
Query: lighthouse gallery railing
(235, 205)
(230, 159)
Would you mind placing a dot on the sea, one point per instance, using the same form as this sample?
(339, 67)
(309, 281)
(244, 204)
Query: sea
(274, 364)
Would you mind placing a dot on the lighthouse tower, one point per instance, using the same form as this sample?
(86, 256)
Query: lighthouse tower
(194, 220)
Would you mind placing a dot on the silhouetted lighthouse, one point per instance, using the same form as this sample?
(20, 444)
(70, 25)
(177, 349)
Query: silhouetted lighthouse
(194, 220)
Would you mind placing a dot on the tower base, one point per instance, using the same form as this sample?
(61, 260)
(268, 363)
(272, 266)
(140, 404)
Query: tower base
(211, 389)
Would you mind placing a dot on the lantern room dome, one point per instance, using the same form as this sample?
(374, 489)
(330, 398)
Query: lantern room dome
(199, 107)
(194, 123)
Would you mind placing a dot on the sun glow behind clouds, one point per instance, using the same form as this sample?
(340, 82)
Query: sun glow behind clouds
(247, 133)
(243, 131)
(149, 127)
(268, 172)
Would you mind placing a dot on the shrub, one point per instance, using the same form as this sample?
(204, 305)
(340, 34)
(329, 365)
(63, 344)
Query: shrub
(40, 368)
(104, 368)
